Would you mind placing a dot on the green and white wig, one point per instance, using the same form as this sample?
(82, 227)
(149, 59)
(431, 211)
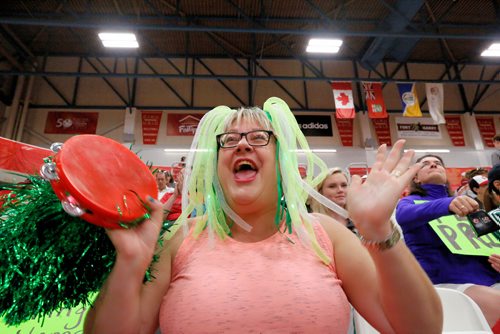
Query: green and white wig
(202, 190)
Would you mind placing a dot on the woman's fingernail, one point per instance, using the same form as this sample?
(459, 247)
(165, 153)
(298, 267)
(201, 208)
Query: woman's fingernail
(151, 199)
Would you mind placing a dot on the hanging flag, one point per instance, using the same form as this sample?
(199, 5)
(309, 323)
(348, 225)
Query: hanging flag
(344, 103)
(409, 99)
(374, 100)
(435, 101)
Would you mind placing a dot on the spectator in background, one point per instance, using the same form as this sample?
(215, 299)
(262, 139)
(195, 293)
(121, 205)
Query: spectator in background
(478, 185)
(491, 198)
(491, 201)
(163, 178)
(476, 171)
(429, 199)
(172, 202)
(334, 187)
(183, 161)
(495, 156)
(464, 189)
(170, 180)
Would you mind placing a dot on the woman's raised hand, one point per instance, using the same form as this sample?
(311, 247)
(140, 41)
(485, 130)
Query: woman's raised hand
(371, 203)
(136, 245)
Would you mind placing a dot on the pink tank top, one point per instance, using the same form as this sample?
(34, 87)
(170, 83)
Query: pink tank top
(270, 286)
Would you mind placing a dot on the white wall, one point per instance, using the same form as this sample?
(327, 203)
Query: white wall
(110, 124)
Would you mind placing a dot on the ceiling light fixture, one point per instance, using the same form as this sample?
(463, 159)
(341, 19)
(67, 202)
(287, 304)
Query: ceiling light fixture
(318, 150)
(182, 150)
(431, 150)
(118, 40)
(492, 51)
(323, 45)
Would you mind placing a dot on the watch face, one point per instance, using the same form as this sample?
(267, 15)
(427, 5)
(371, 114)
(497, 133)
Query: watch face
(482, 223)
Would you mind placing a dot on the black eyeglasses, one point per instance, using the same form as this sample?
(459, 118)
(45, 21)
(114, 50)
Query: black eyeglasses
(253, 138)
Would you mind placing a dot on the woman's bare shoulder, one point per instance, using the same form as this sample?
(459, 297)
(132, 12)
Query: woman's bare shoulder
(336, 231)
(174, 238)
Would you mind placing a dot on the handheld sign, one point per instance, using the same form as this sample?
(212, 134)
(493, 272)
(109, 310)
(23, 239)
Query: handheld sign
(460, 238)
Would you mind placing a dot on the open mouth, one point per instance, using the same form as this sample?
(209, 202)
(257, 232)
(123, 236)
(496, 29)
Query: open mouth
(245, 170)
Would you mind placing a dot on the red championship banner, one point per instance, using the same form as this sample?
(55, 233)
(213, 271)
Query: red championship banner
(487, 129)
(345, 127)
(66, 122)
(375, 100)
(454, 127)
(344, 102)
(150, 126)
(182, 124)
(382, 130)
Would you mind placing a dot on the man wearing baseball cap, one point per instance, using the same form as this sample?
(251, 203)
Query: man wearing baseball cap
(478, 185)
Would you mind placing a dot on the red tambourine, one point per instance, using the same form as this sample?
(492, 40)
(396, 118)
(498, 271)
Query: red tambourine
(100, 180)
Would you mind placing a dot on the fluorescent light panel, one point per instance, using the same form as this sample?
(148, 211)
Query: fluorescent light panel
(318, 150)
(118, 40)
(431, 150)
(182, 150)
(492, 51)
(323, 45)
(324, 150)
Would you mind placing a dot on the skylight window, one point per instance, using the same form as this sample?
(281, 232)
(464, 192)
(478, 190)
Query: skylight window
(323, 45)
(118, 40)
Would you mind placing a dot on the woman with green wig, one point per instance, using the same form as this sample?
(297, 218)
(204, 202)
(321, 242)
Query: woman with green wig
(256, 260)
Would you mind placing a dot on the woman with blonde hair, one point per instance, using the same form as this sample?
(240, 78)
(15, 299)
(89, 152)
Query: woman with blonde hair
(334, 187)
(256, 260)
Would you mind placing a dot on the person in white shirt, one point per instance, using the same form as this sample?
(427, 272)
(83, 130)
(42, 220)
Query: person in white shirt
(162, 179)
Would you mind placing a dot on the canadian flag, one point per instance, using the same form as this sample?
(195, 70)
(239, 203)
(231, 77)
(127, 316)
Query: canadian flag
(344, 103)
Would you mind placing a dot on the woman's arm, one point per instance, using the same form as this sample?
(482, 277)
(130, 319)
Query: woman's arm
(391, 279)
(410, 215)
(124, 304)
(388, 288)
(167, 206)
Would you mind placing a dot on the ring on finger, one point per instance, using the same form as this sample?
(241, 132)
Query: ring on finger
(396, 173)
(462, 207)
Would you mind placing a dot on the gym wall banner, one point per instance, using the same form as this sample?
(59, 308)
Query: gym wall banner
(346, 128)
(311, 126)
(150, 126)
(455, 131)
(182, 124)
(417, 128)
(486, 126)
(65, 122)
(382, 130)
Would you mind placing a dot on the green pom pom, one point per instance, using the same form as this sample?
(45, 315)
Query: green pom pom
(50, 260)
